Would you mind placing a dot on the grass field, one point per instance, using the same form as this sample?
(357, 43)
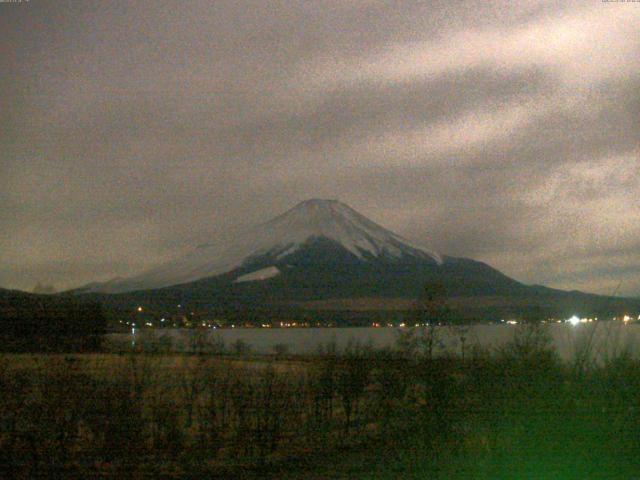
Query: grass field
(518, 412)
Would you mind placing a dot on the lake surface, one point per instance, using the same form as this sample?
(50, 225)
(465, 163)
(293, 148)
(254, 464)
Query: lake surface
(606, 338)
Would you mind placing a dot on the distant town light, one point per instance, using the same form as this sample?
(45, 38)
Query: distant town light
(574, 320)
(139, 309)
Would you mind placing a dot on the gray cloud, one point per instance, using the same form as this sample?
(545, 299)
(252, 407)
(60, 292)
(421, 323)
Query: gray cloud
(130, 132)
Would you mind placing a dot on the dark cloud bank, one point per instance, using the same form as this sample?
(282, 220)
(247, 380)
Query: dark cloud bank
(506, 132)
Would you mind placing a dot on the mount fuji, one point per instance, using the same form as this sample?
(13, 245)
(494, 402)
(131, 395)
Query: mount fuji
(323, 255)
(303, 228)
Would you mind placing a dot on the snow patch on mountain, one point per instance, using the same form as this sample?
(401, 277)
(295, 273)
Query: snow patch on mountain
(258, 275)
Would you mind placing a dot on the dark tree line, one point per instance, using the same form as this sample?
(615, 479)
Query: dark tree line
(49, 323)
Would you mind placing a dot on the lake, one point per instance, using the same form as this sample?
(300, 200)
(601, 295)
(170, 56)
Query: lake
(607, 338)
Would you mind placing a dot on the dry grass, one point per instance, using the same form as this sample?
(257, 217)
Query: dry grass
(373, 414)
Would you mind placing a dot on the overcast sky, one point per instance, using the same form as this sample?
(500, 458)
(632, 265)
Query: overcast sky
(507, 132)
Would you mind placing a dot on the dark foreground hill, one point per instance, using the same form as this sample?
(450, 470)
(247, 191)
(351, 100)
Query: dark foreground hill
(31, 322)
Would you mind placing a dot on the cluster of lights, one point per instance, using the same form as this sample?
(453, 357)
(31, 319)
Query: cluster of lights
(292, 324)
(208, 325)
(400, 325)
(574, 320)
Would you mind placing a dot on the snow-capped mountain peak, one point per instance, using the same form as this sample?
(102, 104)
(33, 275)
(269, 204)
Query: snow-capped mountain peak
(335, 221)
(277, 238)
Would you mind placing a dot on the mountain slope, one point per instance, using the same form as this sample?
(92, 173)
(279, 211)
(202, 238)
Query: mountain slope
(359, 239)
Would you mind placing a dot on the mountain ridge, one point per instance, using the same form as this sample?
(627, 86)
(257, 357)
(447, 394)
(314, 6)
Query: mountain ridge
(276, 238)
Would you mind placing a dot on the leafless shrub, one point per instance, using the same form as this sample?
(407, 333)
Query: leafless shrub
(240, 347)
(215, 410)
(191, 384)
(114, 418)
(280, 350)
(352, 378)
(274, 409)
(391, 377)
(197, 341)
